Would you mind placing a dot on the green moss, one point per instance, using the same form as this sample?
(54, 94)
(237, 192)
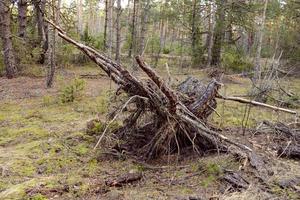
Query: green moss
(82, 149)
(48, 100)
(38, 197)
(18, 191)
(186, 190)
(212, 170)
(15, 136)
(3, 185)
(23, 168)
(208, 181)
(92, 166)
(285, 193)
(2, 117)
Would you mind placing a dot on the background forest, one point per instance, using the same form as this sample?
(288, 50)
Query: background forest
(189, 33)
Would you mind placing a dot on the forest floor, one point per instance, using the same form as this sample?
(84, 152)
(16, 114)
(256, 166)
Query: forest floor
(45, 152)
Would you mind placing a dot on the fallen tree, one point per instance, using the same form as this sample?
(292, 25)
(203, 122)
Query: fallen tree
(163, 120)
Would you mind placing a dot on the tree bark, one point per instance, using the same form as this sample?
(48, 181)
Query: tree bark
(210, 34)
(22, 17)
(118, 31)
(80, 17)
(51, 61)
(219, 32)
(105, 45)
(144, 24)
(133, 30)
(6, 36)
(110, 26)
(40, 8)
(194, 25)
(197, 47)
(257, 68)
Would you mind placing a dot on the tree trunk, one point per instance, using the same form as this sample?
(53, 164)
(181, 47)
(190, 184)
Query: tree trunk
(144, 24)
(257, 68)
(210, 34)
(105, 45)
(197, 48)
(51, 44)
(5, 33)
(194, 25)
(80, 17)
(40, 8)
(110, 26)
(133, 31)
(218, 33)
(118, 31)
(22, 17)
(161, 42)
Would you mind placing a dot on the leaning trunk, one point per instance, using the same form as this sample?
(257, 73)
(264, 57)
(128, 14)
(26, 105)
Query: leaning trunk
(6, 36)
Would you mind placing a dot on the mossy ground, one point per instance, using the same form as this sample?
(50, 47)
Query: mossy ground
(45, 151)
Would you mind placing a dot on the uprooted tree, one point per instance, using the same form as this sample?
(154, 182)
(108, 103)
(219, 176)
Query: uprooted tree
(163, 120)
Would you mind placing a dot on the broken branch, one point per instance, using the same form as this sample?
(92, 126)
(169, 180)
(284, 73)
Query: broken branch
(256, 103)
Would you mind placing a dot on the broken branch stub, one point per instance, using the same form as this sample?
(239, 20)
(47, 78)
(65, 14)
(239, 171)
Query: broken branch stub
(164, 120)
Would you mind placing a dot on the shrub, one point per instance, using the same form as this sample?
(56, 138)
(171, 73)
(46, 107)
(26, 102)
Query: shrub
(72, 91)
(235, 60)
(166, 50)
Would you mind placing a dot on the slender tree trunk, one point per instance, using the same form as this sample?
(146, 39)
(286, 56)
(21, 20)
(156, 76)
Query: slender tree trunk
(105, 45)
(194, 25)
(40, 8)
(110, 24)
(161, 41)
(257, 68)
(118, 31)
(80, 27)
(5, 33)
(144, 24)
(133, 30)
(210, 36)
(51, 44)
(22, 17)
(58, 21)
(218, 33)
(161, 37)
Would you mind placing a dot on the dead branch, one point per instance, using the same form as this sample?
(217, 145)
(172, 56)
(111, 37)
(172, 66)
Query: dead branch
(256, 103)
